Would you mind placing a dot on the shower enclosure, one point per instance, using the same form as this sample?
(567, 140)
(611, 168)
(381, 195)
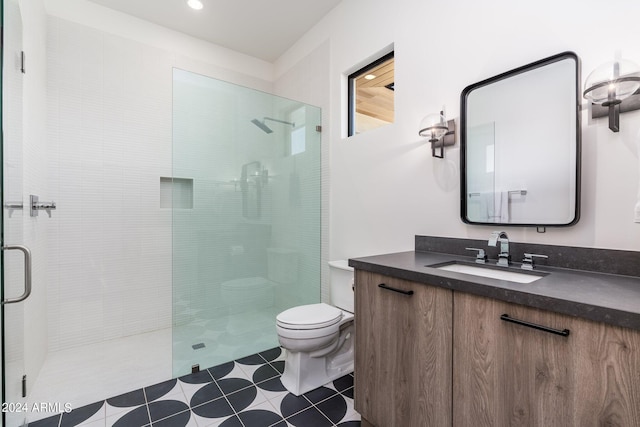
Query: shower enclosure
(245, 197)
(186, 215)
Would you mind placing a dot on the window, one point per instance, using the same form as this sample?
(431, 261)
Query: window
(371, 91)
(297, 143)
(298, 140)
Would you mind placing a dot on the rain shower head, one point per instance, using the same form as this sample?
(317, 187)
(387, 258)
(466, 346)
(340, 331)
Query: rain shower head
(266, 128)
(261, 125)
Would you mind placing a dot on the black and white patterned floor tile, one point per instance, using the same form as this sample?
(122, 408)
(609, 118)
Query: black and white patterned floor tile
(244, 393)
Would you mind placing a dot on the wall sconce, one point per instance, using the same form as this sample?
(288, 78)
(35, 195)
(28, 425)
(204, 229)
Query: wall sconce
(610, 84)
(441, 133)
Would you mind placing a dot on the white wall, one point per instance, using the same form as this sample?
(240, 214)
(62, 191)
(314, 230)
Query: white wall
(109, 141)
(386, 187)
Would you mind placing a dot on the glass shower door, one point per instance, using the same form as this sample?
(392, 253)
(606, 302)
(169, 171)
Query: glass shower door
(13, 261)
(245, 198)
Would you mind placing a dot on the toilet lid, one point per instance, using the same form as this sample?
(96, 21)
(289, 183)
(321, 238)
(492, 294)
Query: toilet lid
(311, 316)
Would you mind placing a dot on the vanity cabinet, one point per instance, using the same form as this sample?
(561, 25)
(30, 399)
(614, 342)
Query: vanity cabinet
(429, 356)
(507, 374)
(403, 352)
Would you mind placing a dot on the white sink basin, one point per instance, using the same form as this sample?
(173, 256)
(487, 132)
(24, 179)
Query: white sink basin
(511, 276)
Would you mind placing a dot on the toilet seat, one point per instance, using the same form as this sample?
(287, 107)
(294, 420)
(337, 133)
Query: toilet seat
(310, 316)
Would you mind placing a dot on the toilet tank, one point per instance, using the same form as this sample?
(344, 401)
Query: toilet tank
(341, 278)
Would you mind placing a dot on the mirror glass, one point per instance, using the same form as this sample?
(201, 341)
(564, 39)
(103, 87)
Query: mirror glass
(520, 144)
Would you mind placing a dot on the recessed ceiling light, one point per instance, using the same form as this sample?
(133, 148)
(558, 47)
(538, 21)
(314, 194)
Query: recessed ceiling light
(369, 77)
(195, 4)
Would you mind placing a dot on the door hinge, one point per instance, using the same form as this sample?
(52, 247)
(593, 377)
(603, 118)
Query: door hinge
(24, 386)
(318, 128)
(22, 62)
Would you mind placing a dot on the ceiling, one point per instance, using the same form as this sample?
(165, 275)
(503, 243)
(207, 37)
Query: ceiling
(374, 97)
(263, 29)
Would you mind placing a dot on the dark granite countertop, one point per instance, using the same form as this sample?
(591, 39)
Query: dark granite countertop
(601, 297)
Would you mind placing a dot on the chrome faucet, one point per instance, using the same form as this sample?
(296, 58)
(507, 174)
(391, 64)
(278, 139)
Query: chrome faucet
(503, 257)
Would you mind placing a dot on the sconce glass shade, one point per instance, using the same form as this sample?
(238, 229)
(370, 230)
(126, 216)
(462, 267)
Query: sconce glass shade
(612, 82)
(433, 126)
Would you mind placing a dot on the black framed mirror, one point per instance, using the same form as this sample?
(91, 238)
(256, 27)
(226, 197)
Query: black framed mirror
(520, 146)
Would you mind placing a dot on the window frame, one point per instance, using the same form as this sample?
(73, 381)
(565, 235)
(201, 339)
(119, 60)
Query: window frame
(351, 78)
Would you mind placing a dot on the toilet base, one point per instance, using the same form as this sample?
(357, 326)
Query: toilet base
(303, 373)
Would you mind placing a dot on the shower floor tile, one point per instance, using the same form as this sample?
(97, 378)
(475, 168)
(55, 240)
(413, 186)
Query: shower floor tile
(244, 393)
(82, 375)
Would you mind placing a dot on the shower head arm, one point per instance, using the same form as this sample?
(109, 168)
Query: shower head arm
(279, 121)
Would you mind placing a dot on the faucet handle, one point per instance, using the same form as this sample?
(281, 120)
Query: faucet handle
(528, 262)
(481, 256)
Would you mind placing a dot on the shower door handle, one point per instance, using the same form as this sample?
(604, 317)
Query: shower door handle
(27, 273)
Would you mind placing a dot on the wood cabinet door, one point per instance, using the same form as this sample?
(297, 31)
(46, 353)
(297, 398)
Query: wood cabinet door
(507, 374)
(403, 352)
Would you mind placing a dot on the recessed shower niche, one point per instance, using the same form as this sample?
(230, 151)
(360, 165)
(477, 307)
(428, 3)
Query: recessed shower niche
(176, 193)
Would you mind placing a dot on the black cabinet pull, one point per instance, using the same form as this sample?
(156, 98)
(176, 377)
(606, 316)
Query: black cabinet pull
(400, 291)
(563, 332)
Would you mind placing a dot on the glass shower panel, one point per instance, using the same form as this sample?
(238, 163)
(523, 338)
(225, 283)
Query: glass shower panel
(15, 351)
(245, 196)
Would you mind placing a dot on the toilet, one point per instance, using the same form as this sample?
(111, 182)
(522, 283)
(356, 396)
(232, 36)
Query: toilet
(318, 338)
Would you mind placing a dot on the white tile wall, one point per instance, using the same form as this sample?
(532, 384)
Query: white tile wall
(109, 141)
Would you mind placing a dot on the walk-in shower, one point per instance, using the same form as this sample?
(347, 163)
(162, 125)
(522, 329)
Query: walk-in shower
(180, 229)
